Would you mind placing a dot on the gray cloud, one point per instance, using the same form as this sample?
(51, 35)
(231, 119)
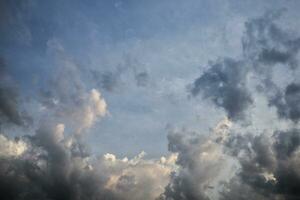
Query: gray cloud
(201, 162)
(9, 100)
(107, 80)
(225, 84)
(287, 102)
(48, 170)
(269, 166)
(268, 44)
(56, 164)
(267, 163)
(48, 166)
(265, 44)
(113, 79)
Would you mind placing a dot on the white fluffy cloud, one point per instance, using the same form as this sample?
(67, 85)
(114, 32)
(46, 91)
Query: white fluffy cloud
(94, 107)
(138, 178)
(11, 148)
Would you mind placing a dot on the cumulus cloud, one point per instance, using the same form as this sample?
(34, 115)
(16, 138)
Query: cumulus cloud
(52, 164)
(231, 165)
(227, 163)
(202, 164)
(67, 96)
(45, 166)
(138, 178)
(94, 107)
(266, 160)
(50, 170)
(269, 166)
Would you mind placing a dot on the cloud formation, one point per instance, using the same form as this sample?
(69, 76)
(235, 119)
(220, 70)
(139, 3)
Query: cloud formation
(9, 100)
(224, 83)
(202, 164)
(265, 45)
(52, 160)
(49, 166)
(267, 160)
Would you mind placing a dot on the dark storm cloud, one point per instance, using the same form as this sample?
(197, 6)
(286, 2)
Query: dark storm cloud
(269, 166)
(287, 102)
(237, 191)
(225, 84)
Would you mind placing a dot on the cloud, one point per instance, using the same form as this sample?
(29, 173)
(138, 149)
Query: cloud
(49, 170)
(45, 166)
(9, 100)
(107, 80)
(67, 96)
(138, 178)
(225, 84)
(230, 162)
(202, 164)
(112, 79)
(11, 148)
(269, 44)
(267, 161)
(52, 164)
(287, 102)
(265, 46)
(231, 165)
(269, 166)
(93, 108)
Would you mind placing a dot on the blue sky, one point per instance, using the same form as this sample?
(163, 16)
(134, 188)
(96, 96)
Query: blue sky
(170, 42)
(166, 41)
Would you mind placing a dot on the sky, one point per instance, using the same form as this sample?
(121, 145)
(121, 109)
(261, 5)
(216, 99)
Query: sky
(154, 100)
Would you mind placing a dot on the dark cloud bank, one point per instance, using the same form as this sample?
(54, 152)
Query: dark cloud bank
(227, 164)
